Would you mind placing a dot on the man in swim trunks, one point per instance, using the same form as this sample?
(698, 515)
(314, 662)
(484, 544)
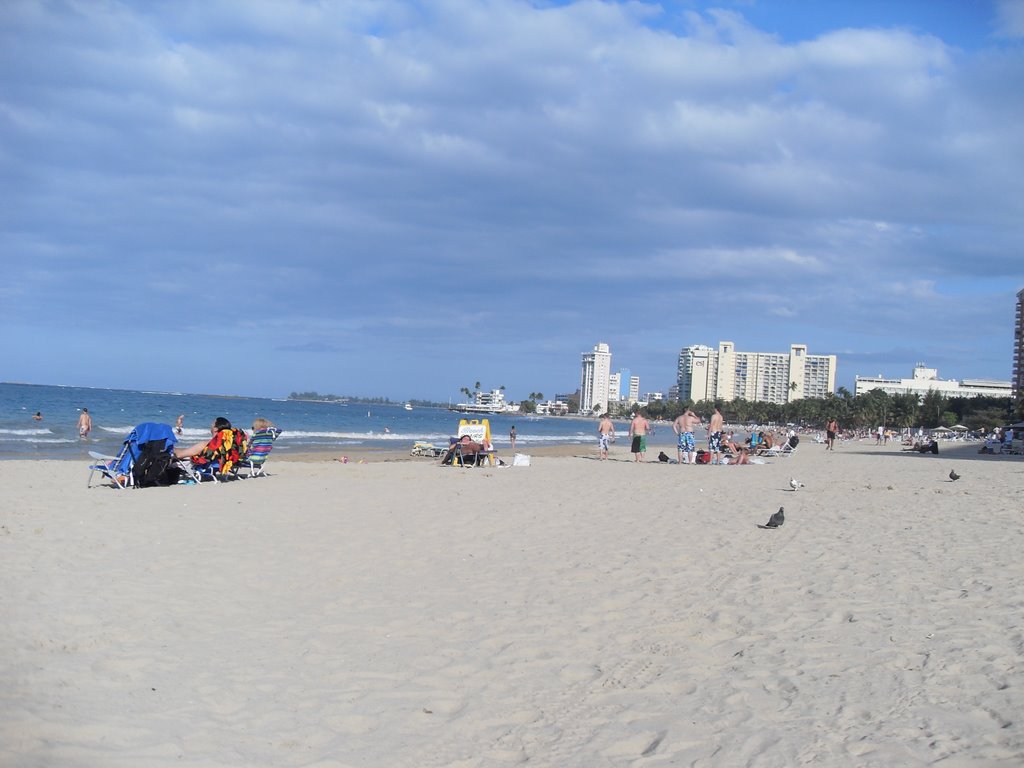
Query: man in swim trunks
(638, 429)
(831, 430)
(605, 434)
(683, 426)
(84, 424)
(715, 436)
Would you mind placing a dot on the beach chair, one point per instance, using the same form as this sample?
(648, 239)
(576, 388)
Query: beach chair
(109, 468)
(260, 445)
(146, 437)
(420, 448)
(788, 448)
(479, 431)
(220, 458)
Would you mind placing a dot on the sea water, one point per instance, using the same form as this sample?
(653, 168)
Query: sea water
(308, 426)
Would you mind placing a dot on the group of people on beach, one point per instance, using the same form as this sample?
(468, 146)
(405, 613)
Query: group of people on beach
(226, 447)
(722, 448)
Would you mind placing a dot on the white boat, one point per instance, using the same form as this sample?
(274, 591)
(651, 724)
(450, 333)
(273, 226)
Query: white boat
(408, 407)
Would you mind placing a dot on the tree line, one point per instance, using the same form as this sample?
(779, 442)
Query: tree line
(865, 411)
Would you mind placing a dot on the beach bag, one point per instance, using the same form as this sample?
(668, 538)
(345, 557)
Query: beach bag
(154, 466)
(662, 456)
(703, 457)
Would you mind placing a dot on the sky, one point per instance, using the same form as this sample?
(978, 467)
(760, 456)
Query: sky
(402, 198)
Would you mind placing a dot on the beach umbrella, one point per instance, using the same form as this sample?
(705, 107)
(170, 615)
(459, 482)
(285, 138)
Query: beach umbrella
(1018, 425)
(942, 429)
(959, 428)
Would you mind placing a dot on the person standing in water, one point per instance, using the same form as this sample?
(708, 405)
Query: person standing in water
(179, 424)
(84, 424)
(512, 437)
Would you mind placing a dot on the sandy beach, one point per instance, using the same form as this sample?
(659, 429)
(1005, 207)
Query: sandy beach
(570, 613)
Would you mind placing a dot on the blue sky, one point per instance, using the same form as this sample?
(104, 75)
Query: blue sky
(404, 198)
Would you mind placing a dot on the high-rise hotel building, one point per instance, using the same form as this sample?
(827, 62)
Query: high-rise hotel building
(595, 378)
(725, 374)
(1018, 348)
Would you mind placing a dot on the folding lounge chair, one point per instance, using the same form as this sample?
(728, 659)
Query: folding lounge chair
(221, 457)
(786, 449)
(260, 445)
(479, 432)
(120, 469)
(109, 467)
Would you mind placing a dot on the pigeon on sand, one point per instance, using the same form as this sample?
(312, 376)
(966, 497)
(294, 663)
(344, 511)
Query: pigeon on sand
(776, 520)
(794, 483)
(953, 475)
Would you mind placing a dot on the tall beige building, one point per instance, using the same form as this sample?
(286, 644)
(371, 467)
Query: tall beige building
(725, 374)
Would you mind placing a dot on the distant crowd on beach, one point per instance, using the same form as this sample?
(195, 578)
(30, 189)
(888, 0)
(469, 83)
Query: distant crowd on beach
(723, 447)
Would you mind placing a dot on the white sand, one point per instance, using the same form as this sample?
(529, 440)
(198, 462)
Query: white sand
(572, 613)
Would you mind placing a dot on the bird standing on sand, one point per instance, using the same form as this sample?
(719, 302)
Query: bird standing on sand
(777, 519)
(794, 483)
(953, 475)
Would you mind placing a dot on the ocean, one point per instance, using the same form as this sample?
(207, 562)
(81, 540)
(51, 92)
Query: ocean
(309, 427)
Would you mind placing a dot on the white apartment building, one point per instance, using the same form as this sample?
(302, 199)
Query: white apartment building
(725, 374)
(634, 389)
(927, 379)
(595, 378)
(1018, 348)
(615, 387)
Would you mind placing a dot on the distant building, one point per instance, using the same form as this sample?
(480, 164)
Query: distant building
(926, 380)
(614, 387)
(594, 378)
(725, 374)
(552, 408)
(654, 397)
(634, 389)
(486, 402)
(1018, 348)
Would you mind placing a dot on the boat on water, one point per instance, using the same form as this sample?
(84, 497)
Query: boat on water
(408, 406)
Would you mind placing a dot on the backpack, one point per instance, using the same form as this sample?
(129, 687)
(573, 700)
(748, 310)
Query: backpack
(703, 457)
(154, 467)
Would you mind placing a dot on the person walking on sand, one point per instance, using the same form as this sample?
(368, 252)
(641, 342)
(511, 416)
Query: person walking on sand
(179, 424)
(715, 436)
(512, 437)
(84, 424)
(605, 435)
(831, 430)
(683, 427)
(639, 428)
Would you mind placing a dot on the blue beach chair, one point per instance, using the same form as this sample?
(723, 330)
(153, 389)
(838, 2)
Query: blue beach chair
(119, 469)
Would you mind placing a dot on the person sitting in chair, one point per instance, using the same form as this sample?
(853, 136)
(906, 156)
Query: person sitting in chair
(225, 448)
(465, 446)
(764, 442)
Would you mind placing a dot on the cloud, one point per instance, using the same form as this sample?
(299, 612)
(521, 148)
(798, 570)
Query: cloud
(393, 184)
